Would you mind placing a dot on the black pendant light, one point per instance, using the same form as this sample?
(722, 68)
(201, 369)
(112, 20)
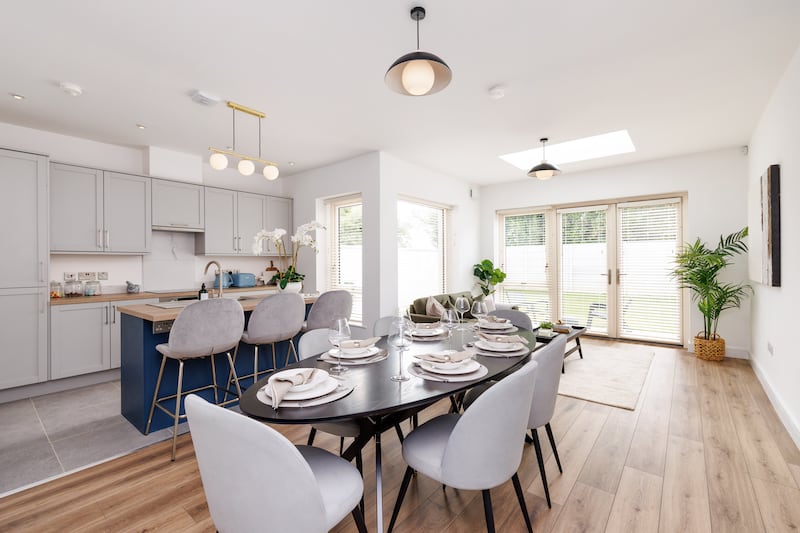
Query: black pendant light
(418, 73)
(544, 170)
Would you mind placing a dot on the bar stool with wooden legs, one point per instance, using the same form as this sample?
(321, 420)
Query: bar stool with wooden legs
(201, 330)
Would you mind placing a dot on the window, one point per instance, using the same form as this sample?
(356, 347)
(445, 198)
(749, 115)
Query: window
(345, 223)
(421, 264)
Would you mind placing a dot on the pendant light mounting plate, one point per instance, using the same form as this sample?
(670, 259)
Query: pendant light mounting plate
(417, 13)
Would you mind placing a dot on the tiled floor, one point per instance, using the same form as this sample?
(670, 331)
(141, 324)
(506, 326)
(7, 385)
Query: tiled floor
(49, 435)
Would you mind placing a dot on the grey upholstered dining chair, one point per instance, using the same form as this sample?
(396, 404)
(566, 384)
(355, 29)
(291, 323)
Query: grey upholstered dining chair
(254, 479)
(329, 305)
(517, 318)
(202, 329)
(383, 325)
(477, 450)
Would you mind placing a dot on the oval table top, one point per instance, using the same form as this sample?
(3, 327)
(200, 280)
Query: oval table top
(375, 394)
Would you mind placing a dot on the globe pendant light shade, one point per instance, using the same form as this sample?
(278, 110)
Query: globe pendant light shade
(544, 170)
(218, 161)
(246, 167)
(271, 172)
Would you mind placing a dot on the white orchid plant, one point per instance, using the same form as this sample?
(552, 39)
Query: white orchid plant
(287, 257)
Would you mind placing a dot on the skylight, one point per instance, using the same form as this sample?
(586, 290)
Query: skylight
(595, 147)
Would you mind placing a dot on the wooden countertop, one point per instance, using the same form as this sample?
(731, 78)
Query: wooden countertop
(155, 314)
(122, 296)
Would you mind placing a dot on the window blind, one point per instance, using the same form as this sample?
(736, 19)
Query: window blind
(346, 251)
(525, 262)
(421, 251)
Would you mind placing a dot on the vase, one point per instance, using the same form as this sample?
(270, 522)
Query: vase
(292, 286)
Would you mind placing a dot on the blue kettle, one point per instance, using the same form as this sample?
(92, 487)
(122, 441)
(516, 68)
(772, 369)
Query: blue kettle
(227, 280)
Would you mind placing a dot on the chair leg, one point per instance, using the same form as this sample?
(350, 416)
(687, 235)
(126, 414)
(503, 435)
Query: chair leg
(487, 510)
(177, 408)
(214, 379)
(274, 360)
(230, 375)
(540, 460)
(311, 435)
(400, 496)
(553, 445)
(294, 351)
(358, 516)
(235, 377)
(521, 499)
(155, 394)
(360, 468)
(341, 445)
(255, 363)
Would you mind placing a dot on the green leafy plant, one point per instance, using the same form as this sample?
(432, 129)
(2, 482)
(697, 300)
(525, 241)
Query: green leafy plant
(488, 276)
(697, 268)
(546, 325)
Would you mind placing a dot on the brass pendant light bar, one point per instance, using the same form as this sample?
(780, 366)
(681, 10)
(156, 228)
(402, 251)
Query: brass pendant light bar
(245, 109)
(240, 156)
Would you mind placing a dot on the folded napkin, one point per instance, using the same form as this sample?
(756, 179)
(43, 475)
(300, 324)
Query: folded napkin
(455, 357)
(502, 338)
(281, 385)
(358, 343)
(427, 325)
(494, 319)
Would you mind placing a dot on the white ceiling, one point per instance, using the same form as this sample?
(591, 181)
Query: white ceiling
(682, 76)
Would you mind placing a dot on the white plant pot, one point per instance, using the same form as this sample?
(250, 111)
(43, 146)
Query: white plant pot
(292, 286)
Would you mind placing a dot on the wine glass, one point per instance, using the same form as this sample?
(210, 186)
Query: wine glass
(450, 322)
(479, 309)
(400, 337)
(338, 332)
(462, 306)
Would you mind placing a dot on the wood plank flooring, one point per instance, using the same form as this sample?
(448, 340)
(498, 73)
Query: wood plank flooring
(704, 450)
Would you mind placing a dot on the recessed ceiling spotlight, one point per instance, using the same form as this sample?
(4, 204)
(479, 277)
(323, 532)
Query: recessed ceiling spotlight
(291, 163)
(72, 89)
(16, 96)
(205, 97)
(497, 92)
(141, 126)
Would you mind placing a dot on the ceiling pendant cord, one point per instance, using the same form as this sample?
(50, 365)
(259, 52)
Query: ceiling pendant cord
(259, 138)
(417, 31)
(234, 128)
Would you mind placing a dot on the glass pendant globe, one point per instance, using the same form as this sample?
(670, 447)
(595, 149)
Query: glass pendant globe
(246, 167)
(271, 172)
(218, 161)
(418, 77)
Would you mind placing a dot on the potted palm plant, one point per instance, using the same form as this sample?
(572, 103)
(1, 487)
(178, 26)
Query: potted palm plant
(697, 268)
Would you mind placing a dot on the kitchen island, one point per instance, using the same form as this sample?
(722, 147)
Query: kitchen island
(143, 327)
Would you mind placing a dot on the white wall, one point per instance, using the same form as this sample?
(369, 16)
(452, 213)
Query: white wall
(716, 183)
(775, 141)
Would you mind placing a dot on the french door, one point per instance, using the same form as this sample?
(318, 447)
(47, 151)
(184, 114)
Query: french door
(602, 266)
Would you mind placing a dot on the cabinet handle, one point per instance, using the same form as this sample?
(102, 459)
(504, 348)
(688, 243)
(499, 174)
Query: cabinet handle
(108, 239)
(113, 314)
(99, 241)
(41, 271)
(234, 244)
(239, 246)
(106, 310)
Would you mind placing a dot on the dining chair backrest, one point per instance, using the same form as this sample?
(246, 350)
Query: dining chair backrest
(276, 318)
(329, 305)
(517, 318)
(485, 447)
(383, 325)
(253, 477)
(548, 377)
(207, 327)
(313, 343)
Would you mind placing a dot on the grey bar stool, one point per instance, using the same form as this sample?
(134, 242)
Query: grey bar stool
(276, 318)
(329, 305)
(201, 330)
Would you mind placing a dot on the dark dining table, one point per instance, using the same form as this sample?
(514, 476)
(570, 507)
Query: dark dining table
(377, 403)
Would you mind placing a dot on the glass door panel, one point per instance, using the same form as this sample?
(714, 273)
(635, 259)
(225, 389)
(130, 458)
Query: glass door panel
(524, 261)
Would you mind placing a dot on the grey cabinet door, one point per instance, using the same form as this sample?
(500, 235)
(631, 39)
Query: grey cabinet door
(23, 219)
(79, 339)
(178, 206)
(23, 329)
(126, 213)
(279, 215)
(76, 209)
(220, 237)
(251, 212)
(116, 337)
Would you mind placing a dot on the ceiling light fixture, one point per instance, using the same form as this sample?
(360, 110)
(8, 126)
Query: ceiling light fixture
(219, 160)
(418, 73)
(16, 96)
(141, 126)
(544, 170)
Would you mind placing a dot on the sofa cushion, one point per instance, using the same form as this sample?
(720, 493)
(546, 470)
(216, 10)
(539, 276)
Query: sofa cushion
(433, 307)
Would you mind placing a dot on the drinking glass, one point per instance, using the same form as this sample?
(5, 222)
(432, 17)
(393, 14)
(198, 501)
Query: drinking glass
(450, 321)
(338, 332)
(479, 309)
(400, 337)
(462, 306)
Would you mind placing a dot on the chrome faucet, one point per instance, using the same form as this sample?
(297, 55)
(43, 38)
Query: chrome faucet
(219, 276)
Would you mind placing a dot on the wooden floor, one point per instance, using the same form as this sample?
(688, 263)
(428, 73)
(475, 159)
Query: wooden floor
(704, 450)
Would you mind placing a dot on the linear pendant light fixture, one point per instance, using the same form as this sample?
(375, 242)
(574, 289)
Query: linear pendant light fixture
(544, 170)
(418, 73)
(219, 160)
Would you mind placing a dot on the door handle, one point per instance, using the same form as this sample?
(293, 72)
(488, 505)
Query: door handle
(609, 276)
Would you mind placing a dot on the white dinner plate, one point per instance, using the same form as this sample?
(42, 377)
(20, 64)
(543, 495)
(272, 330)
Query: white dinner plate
(318, 377)
(498, 346)
(368, 352)
(355, 351)
(467, 366)
(517, 353)
(427, 332)
(508, 329)
(321, 389)
(495, 325)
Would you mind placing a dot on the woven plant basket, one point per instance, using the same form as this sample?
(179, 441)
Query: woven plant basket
(709, 349)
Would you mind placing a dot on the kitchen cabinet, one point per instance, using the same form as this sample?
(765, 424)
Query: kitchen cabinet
(24, 272)
(178, 206)
(85, 338)
(99, 211)
(232, 220)
(279, 215)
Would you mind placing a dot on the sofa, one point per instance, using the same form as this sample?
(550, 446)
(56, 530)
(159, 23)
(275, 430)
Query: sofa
(417, 308)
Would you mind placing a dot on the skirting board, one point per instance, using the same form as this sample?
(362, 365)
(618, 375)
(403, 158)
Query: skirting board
(789, 422)
(734, 352)
(58, 385)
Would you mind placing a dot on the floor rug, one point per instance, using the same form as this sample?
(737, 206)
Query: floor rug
(608, 375)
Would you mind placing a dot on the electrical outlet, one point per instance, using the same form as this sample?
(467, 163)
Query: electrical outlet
(87, 276)
(102, 276)
(69, 276)
(770, 349)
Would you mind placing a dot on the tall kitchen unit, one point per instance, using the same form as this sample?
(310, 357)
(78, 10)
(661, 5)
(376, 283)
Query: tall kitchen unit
(24, 268)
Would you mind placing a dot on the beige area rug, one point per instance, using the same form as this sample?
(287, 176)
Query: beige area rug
(611, 376)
